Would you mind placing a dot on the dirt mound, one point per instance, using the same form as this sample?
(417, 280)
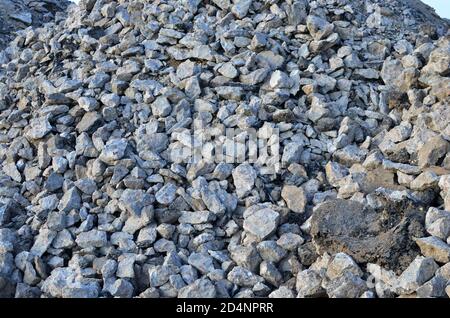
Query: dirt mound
(383, 235)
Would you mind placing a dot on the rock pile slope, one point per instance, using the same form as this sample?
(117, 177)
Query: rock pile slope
(118, 178)
(16, 15)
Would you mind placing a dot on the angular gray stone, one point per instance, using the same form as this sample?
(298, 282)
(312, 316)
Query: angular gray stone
(196, 217)
(290, 241)
(346, 286)
(335, 173)
(280, 79)
(187, 69)
(65, 283)
(340, 264)
(166, 194)
(437, 223)
(39, 128)
(243, 277)
(54, 182)
(434, 288)
(282, 292)
(159, 275)
(271, 251)
(110, 100)
(426, 180)
(134, 201)
(367, 73)
(417, 273)
(244, 179)
(89, 122)
(230, 92)
(228, 70)
(240, 8)
(63, 240)
(262, 223)
(432, 151)
(292, 153)
(254, 77)
(270, 273)
(245, 256)
(202, 262)
(222, 4)
(114, 150)
(87, 186)
(309, 284)
(435, 248)
(122, 288)
(24, 17)
(201, 288)
(71, 200)
(319, 27)
(295, 198)
(43, 242)
(89, 104)
(93, 238)
(10, 169)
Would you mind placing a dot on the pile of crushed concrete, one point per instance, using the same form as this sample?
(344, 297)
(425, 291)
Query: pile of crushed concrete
(130, 167)
(16, 15)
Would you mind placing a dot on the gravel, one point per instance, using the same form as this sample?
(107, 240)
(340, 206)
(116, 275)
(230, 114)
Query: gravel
(219, 148)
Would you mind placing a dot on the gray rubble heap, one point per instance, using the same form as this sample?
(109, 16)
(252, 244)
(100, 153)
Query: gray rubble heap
(92, 204)
(16, 15)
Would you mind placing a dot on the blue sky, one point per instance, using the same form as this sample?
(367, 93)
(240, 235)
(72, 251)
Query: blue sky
(442, 7)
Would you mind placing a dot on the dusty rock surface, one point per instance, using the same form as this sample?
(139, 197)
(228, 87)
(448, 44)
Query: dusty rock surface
(16, 15)
(129, 166)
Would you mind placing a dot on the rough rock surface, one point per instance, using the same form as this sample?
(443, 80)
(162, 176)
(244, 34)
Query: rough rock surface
(16, 15)
(127, 167)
